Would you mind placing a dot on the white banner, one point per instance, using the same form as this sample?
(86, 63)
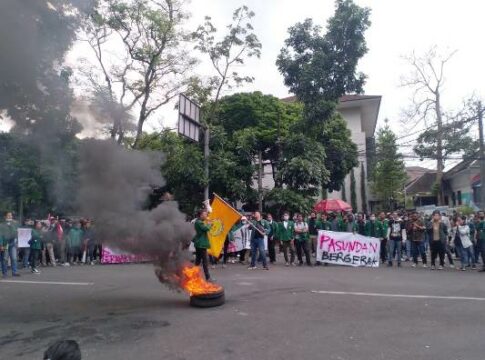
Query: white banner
(348, 249)
(23, 236)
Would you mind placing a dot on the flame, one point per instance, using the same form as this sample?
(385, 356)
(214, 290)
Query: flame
(193, 282)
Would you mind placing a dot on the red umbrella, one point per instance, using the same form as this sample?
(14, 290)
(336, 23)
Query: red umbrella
(332, 205)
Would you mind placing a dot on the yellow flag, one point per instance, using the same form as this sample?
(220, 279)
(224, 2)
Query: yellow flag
(223, 217)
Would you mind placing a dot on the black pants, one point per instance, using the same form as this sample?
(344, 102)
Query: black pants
(481, 247)
(285, 245)
(383, 251)
(242, 255)
(201, 256)
(437, 249)
(271, 250)
(302, 247)
(34, 256)
(417, 248)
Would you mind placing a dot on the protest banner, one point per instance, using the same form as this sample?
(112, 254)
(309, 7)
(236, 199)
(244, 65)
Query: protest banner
(23, 237)
(348, 249)
(114, 256)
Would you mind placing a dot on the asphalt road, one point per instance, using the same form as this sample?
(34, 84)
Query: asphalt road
(122, 312)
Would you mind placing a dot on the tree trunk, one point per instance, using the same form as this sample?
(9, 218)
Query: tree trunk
(260, 181)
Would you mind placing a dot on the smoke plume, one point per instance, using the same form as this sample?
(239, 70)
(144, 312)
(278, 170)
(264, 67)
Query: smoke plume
(114, 184)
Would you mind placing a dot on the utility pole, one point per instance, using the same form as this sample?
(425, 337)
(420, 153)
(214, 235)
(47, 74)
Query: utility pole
(206, 160)
(482, 155)
(260, 181)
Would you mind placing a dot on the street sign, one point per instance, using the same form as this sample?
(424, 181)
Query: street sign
(189, 118)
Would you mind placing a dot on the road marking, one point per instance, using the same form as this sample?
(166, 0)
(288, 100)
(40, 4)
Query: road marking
(398, 295)
(47, 282)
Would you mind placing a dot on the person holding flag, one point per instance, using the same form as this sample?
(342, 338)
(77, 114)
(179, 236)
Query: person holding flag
(201, 241)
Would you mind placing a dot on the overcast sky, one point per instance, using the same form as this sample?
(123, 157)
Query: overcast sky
(398, 28)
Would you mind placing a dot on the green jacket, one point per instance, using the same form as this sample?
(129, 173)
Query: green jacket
(273, 227)
(323, 225)
(8, 233)
(480, 229)
(36, 239)
(383, 226)
(201, 240)
(262, 223)
(74, 237)
(302, 237)
(285, 234)
(375, 231)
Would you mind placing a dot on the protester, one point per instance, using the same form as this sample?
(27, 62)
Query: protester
(260, 229)
(383, 227)
(416, 230)
(74, 239)
(285, 234)
(396, 234)
(301, 240)
(28, 223)
(372, 227)
(271, 238)
(313, 231)
(8, 244)
(89, 241)
(36, 245)
(48, 240)
(438, 238)
(480, 235)
(201, 241)
(446, 221)
(461, 237)
(360, 225)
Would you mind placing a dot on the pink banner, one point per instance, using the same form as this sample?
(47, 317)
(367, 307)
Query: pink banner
(111, 256)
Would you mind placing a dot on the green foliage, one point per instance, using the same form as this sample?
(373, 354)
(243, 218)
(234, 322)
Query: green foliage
(279, 200)
(389, 174)
(465, 210)
(353, 193)
(363, 188)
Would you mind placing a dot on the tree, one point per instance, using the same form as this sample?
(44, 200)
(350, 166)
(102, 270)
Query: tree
(445, 132)
(153, 67)
(363, 188)
(353, 194)
(320, 68)
(389, 175)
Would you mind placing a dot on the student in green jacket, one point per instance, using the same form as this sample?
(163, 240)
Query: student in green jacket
(286, 234)
(201, 241)
(382, 235)
(74, 239)
(8, 244)
(480, 235)
(35, 245)
(373, 228)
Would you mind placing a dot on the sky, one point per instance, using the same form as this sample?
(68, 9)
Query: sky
(398, 28)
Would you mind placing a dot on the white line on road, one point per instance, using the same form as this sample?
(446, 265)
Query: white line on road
(47, 282)
(398, 295)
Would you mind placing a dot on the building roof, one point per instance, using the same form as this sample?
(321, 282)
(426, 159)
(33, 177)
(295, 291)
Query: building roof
(368, 104)
(422, 184)
(414, 172)
(464, 165)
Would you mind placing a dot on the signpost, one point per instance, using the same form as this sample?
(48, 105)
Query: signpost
(189, 125)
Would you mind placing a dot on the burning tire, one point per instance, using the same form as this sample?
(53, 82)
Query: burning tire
(208, 300)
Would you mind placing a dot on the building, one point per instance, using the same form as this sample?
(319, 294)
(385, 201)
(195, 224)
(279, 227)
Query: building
(418, 189)
(360, 113)
(462, 184)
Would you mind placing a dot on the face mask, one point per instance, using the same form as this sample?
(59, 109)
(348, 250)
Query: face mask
(244, 221)
(286, 218)
(372, 218)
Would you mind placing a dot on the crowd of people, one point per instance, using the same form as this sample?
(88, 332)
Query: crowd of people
(52, 242)
(404, 236)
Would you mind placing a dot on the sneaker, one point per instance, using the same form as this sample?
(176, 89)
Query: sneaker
(252, 268)
(266, 268)
(66, 264)
(425, 266)
(413, 265)
(293, 264)
(16, 275)
(213, 266)
(474, 267)
(398, 264)
(452, 266)
(35, 271)
(440, 267)
(287, 264)
(433, 267)
(92, 263)
(463, 269)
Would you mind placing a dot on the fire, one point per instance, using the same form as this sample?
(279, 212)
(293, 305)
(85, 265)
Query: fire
(193, 282)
